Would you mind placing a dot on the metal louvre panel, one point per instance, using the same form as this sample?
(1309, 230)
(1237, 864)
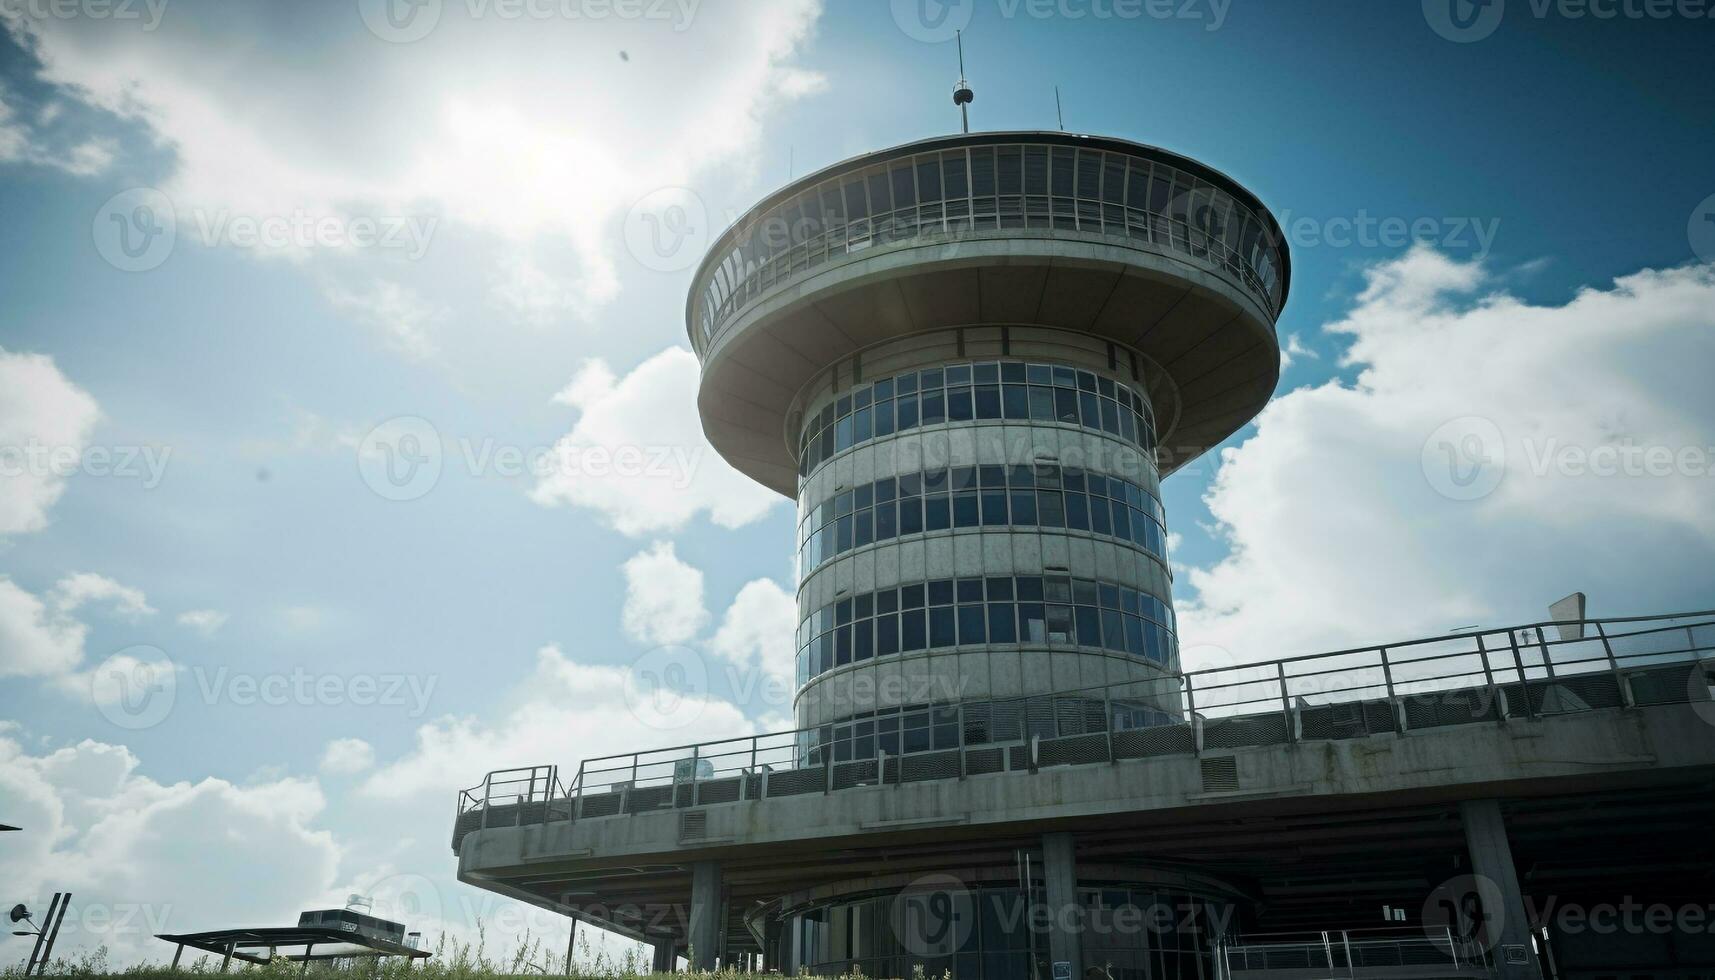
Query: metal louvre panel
(979, 762)
(1075, 750)
(1143, 743)
(1665, 685)
(796, 782)
(649, 798)
(930, 765)
(604, 805)
(1229, 733)
(860, 773)
(718, 791)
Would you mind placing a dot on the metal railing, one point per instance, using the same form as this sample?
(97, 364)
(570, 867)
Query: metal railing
(1485, 676)
(1354, 953)
(1178, 213)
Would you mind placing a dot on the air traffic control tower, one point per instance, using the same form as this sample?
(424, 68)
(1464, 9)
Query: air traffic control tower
(970, 360)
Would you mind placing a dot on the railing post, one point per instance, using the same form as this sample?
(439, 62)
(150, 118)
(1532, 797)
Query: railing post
(1108, 721)
(578, 804)
(1495, 699)
(961, 723)
(696, 756)
(1393, 704)
(1346, 942)
(1191, 717)
(486, 781)
(1523, 679)
(1285, 703)
(1621, 681)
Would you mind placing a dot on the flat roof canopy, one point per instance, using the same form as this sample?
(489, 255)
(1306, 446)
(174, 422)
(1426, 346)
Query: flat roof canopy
(335, 943)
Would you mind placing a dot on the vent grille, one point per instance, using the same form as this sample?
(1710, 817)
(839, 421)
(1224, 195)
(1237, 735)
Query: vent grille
(1220, 774)
(693, 825)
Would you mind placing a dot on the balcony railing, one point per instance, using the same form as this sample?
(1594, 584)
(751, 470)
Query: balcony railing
(1354, 953)
(1464, 678)
(1089, 193)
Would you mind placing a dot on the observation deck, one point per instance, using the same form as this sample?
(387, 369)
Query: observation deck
(1173, 262)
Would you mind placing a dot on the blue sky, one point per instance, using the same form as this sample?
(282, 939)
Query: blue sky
(1539, 163)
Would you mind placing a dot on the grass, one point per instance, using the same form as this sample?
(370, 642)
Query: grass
(452, 960)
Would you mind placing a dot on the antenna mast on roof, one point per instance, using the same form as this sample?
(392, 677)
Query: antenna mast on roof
(962, 94)
(1058, 114)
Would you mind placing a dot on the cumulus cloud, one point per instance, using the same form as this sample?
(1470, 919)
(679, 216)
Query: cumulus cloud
(45, 424)
(663, 597)
(81, 588)
(204, 621)
(138, 854)
(566, 711)
(637, 455)
(758, 628)
(1491, 456)
(34, 639)
(40, 637)
(505, 144)
(344, 756)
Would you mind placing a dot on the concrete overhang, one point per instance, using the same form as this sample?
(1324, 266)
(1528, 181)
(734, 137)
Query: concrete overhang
(1209, 352)
(1597, 751)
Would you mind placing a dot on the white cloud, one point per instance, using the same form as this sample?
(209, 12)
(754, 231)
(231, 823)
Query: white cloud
(34, 639)
(566, 711)
(45, 424)
(489, 122)
(78, 589)
(1293, 350)
(1340, 513)
(140, 856)
(204, 621)
(637, 454)
(20, 142)
(758, 629)
(40, 636)
(404, 319)
(663, 597)
(344, 756)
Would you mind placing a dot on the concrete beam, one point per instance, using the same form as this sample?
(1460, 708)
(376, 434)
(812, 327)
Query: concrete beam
(1060, 880)
(1492, 862)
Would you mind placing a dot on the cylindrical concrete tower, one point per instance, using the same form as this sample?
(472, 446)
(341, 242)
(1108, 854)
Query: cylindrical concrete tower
(970, 360)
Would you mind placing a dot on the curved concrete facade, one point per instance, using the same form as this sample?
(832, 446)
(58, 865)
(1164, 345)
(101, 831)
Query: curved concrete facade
(1038, 453)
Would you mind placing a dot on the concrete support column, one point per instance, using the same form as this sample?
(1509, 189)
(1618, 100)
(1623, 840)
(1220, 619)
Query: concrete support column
(1065, 933)
(1492, 859)
(771, 944)
(662, 961)
(705, 925)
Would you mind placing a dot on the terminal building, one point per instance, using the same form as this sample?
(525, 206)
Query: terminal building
(971, 360)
